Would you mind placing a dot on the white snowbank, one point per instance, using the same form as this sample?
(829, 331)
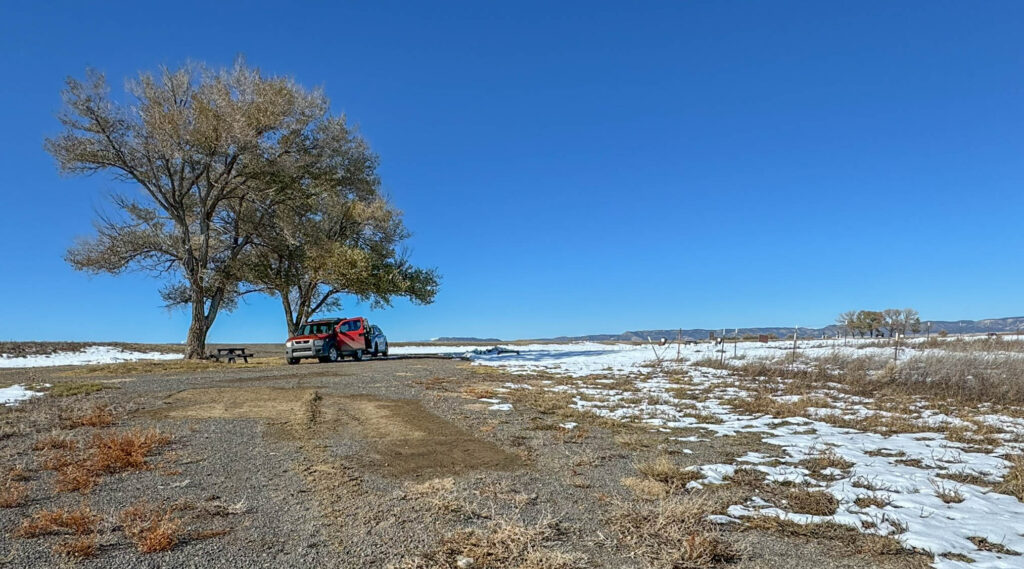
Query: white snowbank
(90, 355)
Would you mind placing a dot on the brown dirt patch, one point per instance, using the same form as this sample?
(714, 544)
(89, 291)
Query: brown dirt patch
(404, 438)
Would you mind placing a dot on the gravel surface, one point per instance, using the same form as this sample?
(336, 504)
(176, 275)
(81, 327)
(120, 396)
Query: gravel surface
(341, 465)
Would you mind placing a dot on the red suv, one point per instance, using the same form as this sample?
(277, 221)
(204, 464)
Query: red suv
(333, 339)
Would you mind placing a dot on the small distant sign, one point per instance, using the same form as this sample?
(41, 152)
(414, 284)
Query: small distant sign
(763, 338)
(711, 335)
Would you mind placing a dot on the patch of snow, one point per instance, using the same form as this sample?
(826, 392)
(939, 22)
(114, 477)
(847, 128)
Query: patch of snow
(16, 393)
(90, 355)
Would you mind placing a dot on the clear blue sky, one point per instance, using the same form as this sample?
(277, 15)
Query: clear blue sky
(584, 167)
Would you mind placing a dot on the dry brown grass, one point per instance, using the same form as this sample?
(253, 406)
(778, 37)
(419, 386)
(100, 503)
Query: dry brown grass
(824, 460)
(673, 533)
(850, 537)
(1013, 481)
(72, 388)
(646, 488)
(948, 494)
(765, 404)
(108, 452)
(80, 547)
(166, 366)
(541, 399)
(813, 502)
(985, 545)
(13, 494)
(872, 500)
(55, 441)
(47, 522)
(151, 529)
(99, 416)
(117, 452)
(501, 545)
(663, 470)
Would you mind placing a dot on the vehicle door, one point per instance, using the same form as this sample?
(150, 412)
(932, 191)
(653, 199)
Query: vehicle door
(351, 335)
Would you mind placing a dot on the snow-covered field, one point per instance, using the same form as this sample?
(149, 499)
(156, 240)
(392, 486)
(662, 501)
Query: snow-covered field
(905, 474)
(90, 355)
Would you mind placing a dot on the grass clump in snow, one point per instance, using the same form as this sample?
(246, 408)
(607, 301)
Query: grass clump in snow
(666, 472)
(674, 532)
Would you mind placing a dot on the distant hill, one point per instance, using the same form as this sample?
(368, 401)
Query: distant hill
(453, 339)
(998, 325)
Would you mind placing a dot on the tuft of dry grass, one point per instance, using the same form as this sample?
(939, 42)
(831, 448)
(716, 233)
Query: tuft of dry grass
(985, 545)
(949, 495)
(79, 547)
(665, 471)
(646, 488)
(764, 404)
(1013, 481)
(854, 539)
(13, 494)
(822, 461)
(47, 522)
(116, 452)
(674, 532)
(99, 416)
(72, 388)
(108, 452)
(151, 529)
(813, 502)
(55, 441)
(872, 500)
(501, 545)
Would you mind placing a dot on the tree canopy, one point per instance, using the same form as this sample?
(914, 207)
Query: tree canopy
(231, 166)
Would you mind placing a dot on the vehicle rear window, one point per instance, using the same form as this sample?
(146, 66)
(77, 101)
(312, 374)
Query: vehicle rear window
(318, 328)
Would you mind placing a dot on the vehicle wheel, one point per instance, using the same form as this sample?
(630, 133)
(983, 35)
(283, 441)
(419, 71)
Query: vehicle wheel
(293, 361)
(358, 355)
(385, 352)
(332, 354)
(375, 351)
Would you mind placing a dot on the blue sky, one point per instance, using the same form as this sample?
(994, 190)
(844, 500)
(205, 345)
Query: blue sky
(576, 168)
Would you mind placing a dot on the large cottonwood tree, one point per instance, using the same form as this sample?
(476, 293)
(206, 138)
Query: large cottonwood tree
(215, 155)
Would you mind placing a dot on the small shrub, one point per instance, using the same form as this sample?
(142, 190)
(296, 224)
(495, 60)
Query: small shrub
(77, 547)
(986, 545)
(98, 416)
(667, 472)
(55, 442)
(151, 529)
(646, 488)
(116, 452)
(674, 532)
(47, 522)
(947, 494)
(13, 494)
(813, 502)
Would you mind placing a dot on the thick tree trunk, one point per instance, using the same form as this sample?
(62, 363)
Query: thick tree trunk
(195, 342)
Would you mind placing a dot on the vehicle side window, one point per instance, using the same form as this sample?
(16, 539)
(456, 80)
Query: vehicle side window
(350, 326)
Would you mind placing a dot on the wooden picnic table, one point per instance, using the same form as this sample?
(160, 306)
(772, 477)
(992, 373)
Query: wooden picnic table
(232, 353)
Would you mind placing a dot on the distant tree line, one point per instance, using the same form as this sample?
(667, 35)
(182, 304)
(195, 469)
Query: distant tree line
(880, 323)
(246, 184)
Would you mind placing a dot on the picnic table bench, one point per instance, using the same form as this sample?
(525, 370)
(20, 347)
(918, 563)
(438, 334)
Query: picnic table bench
(231, 354)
